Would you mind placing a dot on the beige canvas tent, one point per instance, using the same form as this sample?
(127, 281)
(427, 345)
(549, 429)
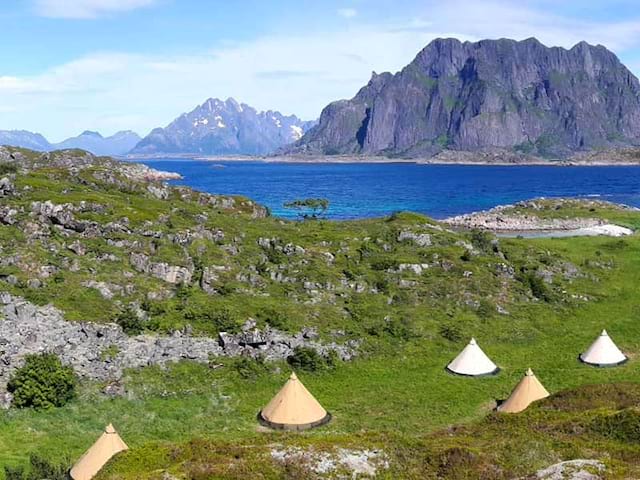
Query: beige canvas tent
(603, 353)
(293, 408)
(472, 362)
(108, 445)
(526, 392)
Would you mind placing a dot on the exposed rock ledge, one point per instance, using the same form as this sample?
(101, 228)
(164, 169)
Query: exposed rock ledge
(505, 218)
(103, 351)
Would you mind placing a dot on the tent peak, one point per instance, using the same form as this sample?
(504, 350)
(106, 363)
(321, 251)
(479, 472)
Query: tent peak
(529, 372)
(109, 429)
(293, 376)
(473, 341)
(604, 333)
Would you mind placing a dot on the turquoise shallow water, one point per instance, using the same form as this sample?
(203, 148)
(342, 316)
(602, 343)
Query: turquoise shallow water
(373, 190)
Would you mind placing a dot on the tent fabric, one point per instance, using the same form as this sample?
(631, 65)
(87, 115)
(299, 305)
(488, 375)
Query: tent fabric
(108, 445)
(293, 408)
(526, 392)
(472, 362)
(603, 353)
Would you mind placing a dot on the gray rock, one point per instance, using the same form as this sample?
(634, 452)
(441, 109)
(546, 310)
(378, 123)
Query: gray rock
(27, 329)
(490, 94)
(420, 239)
(573, 470)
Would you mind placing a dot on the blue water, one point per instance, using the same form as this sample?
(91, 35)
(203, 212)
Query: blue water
(373, 190)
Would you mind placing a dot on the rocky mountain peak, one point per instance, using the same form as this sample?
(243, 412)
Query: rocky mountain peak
(471, 96)
(224, 128)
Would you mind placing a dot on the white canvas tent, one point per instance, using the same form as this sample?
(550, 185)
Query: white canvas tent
(472, 362)
(108, 445)
(293, 408)
(528, 390)
(603, 353)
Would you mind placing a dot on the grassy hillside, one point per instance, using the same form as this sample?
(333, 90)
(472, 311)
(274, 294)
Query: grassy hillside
(411, 291)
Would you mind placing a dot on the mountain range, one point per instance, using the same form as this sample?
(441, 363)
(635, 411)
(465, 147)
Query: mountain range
(224, 128)
(117, 144)
(493, 94)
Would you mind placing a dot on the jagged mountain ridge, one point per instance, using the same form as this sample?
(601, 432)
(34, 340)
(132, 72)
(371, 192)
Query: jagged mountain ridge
(490, 94)
(116, 144)
(224, 127)
(24, 139)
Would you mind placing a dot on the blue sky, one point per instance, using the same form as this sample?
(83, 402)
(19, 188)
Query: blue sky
(108, 65)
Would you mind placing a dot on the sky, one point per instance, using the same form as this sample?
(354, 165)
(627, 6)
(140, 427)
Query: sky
(108, 65)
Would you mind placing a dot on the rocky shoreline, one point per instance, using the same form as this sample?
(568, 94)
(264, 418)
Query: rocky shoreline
(493, 157)
(508, 218)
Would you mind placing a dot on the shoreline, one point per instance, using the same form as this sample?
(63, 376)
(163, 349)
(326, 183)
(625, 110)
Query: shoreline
(373, 160)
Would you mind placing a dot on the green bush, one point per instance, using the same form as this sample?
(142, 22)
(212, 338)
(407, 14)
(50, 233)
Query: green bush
(451, 332)
(251, 368)
(483, 241)
(128, 319)
(43, 382)
(623, 425)
(308, 359)
(39, 469)
(538, 288)
(8, 167)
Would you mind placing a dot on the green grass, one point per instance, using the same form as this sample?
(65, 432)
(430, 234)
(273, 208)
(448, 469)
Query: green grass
(199, 420)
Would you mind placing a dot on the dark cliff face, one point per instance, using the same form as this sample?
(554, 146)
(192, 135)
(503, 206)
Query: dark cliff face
(224, 127)
(489, 94)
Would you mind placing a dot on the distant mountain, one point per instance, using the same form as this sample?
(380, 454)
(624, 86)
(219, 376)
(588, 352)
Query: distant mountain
(493, 94)
(24, 139)
(224, 128)
(117, 144)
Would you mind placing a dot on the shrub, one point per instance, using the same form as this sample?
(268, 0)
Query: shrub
(43, 382)
(251, 368)
(398, 328)
(8, 167)
(623, 425)
(276, 319)
(486, 309)
(39, 469)
(308, 359)
(538, 288)
(223, 320)
(483, 241)
(128, 319)
(451, 332)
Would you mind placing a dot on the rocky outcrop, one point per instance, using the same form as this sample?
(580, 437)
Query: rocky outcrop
(492, 94)
(573, 470)
(174, 274)
(103, 351)
(223, 128)
(523, 217)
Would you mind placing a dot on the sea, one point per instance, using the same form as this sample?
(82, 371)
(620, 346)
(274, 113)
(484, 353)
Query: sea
(365, 190)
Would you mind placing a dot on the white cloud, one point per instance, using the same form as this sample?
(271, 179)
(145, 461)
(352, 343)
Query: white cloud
(82, 9)
(347, 12)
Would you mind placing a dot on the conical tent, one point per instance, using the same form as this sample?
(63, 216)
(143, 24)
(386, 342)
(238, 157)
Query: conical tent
(472, 362)
(526, 392)
(108, 445)
(294, 408)
(603, 353)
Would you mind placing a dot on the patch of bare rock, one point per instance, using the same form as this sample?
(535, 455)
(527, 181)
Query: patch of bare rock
(340, 463)
(572, 470)
(510, 218)
(103, 351)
